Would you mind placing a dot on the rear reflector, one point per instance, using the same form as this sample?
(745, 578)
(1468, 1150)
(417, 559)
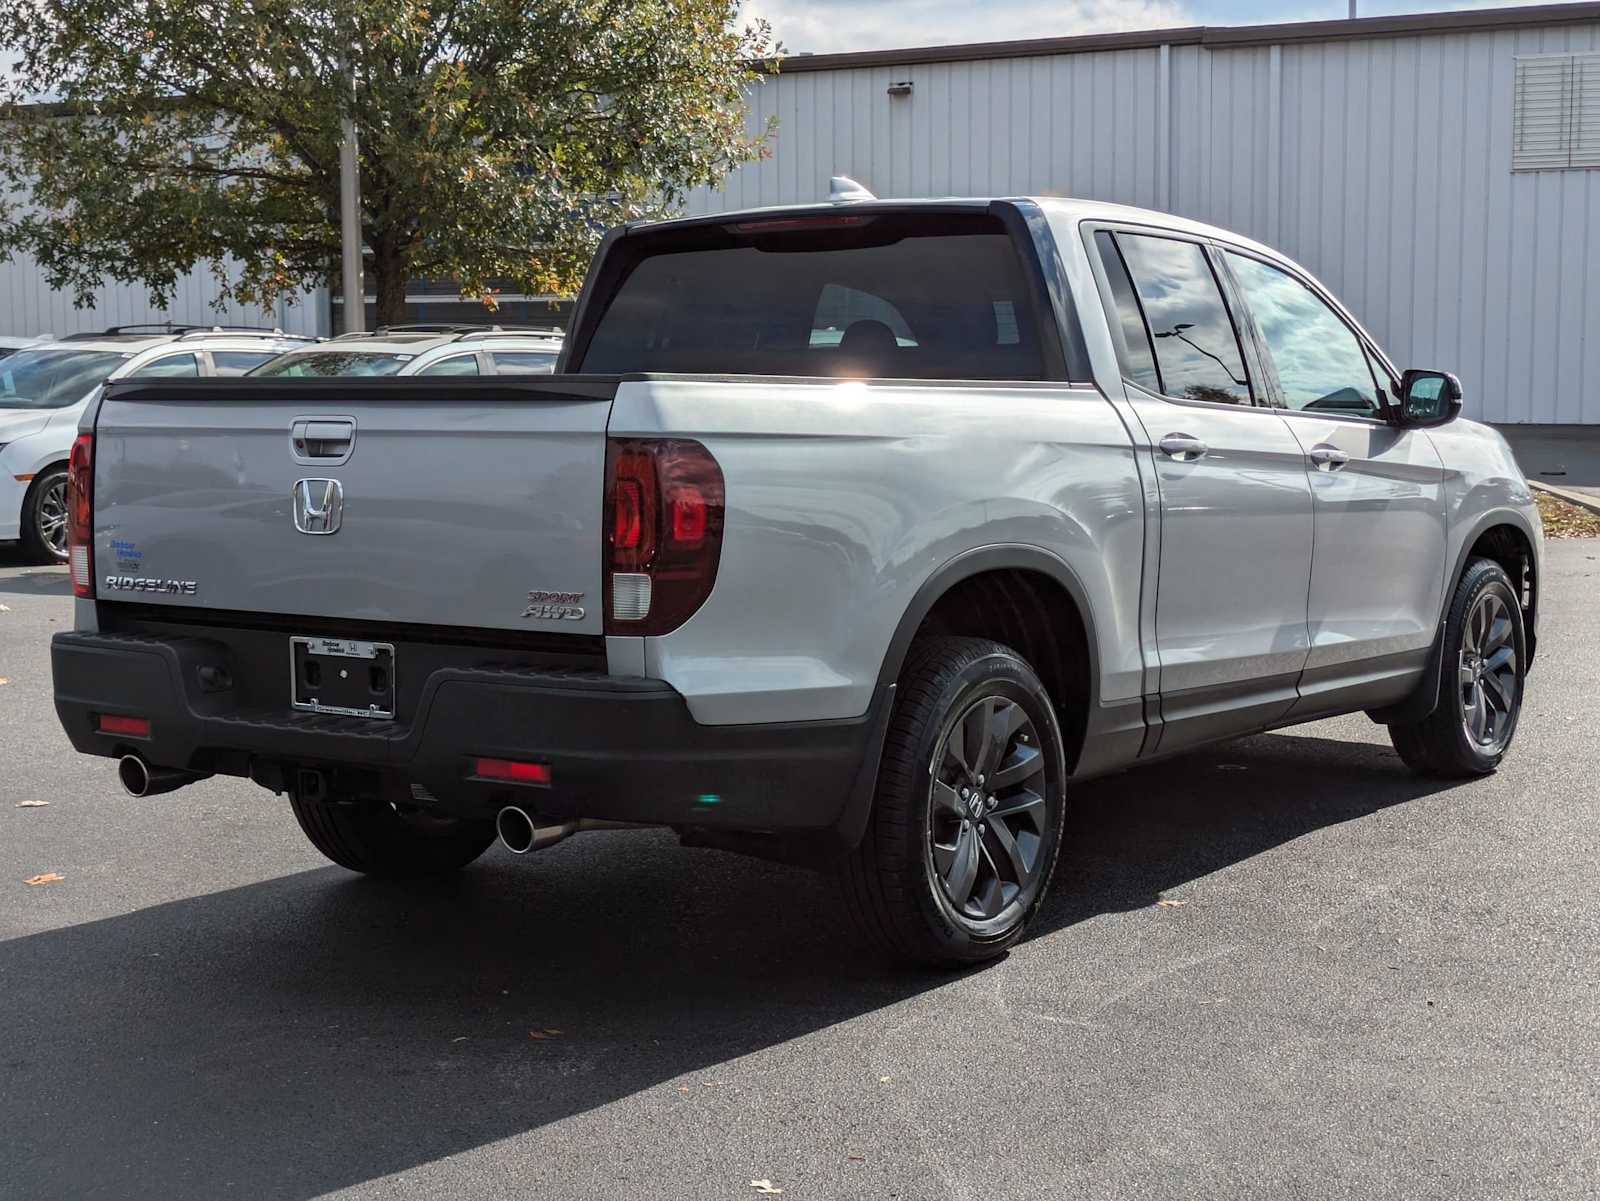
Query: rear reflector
(133, 727)
(512, 770)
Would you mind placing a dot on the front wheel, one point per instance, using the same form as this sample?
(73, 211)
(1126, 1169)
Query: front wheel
(44, 516)
(1480, 689)
(967, 820)
(375, 837)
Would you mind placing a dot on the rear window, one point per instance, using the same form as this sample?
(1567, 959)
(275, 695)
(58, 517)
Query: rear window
(333, 362)
(936, 296)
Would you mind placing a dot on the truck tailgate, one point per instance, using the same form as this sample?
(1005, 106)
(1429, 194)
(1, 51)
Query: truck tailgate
(451, 502)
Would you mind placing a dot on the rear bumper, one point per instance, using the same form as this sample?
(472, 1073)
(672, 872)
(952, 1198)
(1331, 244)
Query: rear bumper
(622, 749)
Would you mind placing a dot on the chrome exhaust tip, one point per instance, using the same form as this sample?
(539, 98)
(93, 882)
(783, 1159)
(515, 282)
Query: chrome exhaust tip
(139, 779)
(516, 830)
(133, 775)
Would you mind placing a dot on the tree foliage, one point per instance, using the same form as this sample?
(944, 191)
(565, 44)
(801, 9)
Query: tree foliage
(498, 137)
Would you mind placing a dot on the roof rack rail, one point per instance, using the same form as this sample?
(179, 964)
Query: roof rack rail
(216, 331)
(515, 331)
(148, 327)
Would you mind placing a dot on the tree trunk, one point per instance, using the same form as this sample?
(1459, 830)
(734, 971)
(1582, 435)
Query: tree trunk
(389, 279)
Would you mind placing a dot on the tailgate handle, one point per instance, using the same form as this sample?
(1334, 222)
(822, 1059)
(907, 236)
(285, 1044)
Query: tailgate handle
(323, 438)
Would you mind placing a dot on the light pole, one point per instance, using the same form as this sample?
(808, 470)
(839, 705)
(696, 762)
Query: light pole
(355, 290)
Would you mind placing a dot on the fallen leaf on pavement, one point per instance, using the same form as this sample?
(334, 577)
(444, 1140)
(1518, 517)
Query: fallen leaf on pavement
(45, 878)
(5, 608)
(765, 1187)
(32, 804)
(3, 680)
(856, 1158)
(1167, 903)
(884, 1079)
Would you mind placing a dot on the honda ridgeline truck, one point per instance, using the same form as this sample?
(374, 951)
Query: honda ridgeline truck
(850, 534)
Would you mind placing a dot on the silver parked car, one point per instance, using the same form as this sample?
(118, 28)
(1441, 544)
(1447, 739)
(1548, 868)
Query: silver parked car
(850, 534)
(45, 386)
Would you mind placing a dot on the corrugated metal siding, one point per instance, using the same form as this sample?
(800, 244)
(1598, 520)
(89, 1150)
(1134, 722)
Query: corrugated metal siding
(28, 305)
(1383, 164)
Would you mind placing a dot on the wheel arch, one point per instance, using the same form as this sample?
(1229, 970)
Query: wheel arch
(1026, 598)
(1505, 536)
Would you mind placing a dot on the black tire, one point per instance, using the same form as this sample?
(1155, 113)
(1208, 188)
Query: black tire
(42, 539)
(374, 837)
(1443, 744)
(896, 892)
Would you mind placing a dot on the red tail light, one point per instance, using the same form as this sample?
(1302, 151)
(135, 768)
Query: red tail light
(80, 513)
(664, 506)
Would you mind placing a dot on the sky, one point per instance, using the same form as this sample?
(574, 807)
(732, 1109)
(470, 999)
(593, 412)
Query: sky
(825, 26)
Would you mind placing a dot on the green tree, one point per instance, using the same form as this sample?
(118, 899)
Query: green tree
(498, 137)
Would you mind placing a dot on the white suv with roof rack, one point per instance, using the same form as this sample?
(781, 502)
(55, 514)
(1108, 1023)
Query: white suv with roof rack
(45, 386)
(425, 350)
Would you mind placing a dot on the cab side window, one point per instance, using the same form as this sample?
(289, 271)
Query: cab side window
(1321, 365)
(1196, 347)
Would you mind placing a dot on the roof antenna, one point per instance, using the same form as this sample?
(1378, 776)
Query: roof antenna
(842, 188)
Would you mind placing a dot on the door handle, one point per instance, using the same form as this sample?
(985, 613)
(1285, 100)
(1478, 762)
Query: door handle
(1328, 458)
(322, 437)
(1183, 447)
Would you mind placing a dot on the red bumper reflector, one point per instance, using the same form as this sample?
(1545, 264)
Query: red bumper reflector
(134, 727)
(510, 769)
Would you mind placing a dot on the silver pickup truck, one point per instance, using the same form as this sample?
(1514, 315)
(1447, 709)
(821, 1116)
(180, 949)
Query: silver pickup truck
(848, 534)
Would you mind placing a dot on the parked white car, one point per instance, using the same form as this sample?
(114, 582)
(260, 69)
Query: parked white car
(424, 350)
(11, 343)
(45, 386)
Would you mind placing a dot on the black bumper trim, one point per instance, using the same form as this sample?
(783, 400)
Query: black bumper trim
(619, 748)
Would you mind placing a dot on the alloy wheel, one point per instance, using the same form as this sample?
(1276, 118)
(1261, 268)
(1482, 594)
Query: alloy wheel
(51, 517)
(989, 817)
(1489, 685)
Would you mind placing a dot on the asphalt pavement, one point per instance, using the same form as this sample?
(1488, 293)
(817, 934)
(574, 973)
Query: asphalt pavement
(1283, 968)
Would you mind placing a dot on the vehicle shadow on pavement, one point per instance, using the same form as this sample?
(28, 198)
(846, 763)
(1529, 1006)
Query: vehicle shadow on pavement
(42, 581)
(288, 1038)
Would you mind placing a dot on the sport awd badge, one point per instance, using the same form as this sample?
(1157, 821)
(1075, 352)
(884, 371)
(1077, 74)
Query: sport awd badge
(554, 606)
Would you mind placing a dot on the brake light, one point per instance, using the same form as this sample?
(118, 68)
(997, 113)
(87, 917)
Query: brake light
(80, 513)
(768, 225)
(664, 510)
(513, 770)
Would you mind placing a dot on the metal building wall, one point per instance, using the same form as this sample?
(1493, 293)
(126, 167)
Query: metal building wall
(1383, 163)
(28, 306)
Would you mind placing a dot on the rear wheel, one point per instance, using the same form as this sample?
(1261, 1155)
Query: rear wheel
(44, 516)
(373, 836)
(966, 824)
(1480, 690)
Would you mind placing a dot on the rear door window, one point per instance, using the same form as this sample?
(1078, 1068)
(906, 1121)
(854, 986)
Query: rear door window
(893, 295)
(237, 362)
(1133, 339)
(169, 366)
(524, 362)
(1196, 347)
(457, 364)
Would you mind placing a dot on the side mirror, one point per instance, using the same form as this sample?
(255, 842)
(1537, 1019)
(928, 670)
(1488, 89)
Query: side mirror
(1428, 398)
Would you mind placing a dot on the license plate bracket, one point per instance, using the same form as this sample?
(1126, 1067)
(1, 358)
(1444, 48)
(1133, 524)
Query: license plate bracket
(345, 676)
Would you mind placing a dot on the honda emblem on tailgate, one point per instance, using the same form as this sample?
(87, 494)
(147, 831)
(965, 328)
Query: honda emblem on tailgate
(318, 506)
